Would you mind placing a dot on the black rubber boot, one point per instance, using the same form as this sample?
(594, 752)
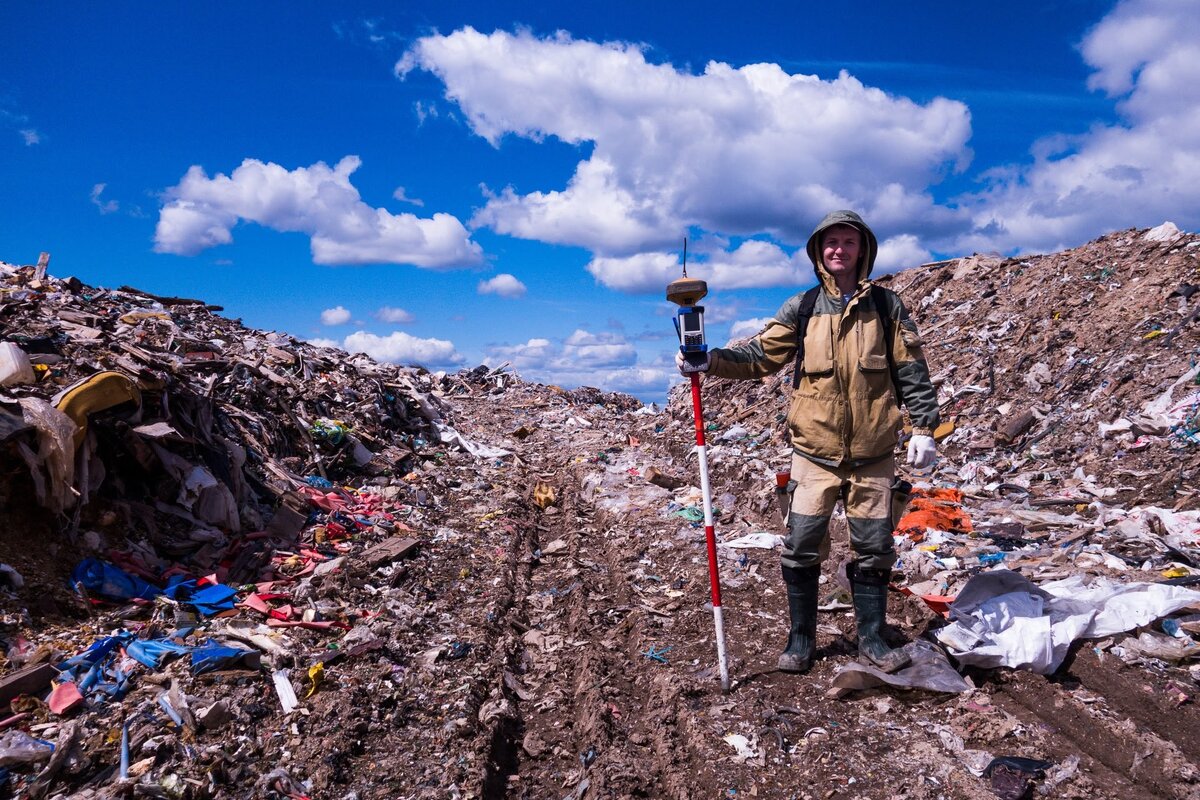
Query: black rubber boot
(802, 609)
(869, 587)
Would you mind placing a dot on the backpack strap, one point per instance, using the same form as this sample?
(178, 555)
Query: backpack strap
(879, 299)
(807, 303)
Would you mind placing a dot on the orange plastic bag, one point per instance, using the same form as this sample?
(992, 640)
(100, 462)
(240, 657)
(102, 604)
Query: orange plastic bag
(939, 509)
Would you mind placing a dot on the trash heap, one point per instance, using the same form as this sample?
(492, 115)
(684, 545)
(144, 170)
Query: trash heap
(226, 509)
(238, 565)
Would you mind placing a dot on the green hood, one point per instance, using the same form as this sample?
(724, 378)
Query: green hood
(870, 245)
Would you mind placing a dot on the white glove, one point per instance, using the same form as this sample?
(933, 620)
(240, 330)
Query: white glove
(686, 368)
(921, 451)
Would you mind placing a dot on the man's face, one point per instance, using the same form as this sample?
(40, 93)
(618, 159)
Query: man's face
(840, 249)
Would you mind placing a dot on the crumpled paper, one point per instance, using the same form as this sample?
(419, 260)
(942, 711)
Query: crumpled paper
(1000, 619)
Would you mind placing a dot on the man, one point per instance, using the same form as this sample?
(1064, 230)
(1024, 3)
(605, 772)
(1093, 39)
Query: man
(843, 420)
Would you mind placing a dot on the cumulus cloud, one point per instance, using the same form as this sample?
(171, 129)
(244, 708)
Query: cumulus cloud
(338, 315)
(401, 348)
(320, 201)
(320, 342)
(747, 327)
(105, 206)
(585, 350)
(529, 357)
(752, 264)
(635, 380)
(397, 316)
(743, 150)
(30, 136)
(900, 252)
(504, 285)
(605, 360)
(1140, 171)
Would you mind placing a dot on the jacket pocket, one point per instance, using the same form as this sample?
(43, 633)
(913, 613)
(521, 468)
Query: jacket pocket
(872, 363)
(815, 420)
(818, 350)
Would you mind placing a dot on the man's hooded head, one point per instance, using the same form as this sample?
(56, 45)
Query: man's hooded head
(868, 250)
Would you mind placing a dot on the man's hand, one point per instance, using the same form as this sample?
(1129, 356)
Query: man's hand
(921, 451)
(687, 368)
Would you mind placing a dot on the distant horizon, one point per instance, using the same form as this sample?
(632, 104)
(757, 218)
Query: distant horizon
(482, 183)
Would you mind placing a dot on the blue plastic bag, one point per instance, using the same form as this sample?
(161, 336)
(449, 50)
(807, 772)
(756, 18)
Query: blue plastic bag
(153, 652)
(211, 657)
(111, 583)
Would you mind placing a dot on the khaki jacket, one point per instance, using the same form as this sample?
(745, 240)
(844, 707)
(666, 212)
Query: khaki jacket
(844, 412)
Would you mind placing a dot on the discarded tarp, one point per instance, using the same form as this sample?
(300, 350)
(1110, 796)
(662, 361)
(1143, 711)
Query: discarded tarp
(110, 583)
(153, 652)
(928, 669)
(1000, 619)
(212, 656)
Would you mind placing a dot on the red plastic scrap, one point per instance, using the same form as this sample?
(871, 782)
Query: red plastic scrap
(64, 698)
(257, 601)
(283, 612)
(938, 603)
(312, 625)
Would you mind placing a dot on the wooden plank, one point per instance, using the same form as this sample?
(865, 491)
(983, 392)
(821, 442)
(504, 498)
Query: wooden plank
(30, 680)
(393, 549)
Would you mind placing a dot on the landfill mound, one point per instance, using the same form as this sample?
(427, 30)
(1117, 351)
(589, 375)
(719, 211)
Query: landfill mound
(238, 565)
(1082, 359)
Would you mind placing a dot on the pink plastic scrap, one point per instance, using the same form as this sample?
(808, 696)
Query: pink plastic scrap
(65, 697)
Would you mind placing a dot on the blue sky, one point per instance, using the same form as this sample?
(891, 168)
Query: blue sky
(459, 183)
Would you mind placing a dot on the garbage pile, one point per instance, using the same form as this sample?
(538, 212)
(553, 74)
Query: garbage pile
(233, 564)
(196, 488)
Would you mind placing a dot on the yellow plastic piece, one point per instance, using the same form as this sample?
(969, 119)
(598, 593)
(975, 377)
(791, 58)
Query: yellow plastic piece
(100, 392)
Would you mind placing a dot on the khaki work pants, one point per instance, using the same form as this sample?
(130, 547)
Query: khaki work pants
(867, 494)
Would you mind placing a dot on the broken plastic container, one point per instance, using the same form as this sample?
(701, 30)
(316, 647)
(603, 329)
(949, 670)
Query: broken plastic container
(14, 365)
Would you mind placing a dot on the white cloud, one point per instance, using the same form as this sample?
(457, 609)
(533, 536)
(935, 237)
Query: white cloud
(585, 350)
(752, 264)
(397, 316)
(747, 327)
(643, 272)
(744, 151)
(337, 315)
(605, 360)
(200, 212)
(900, 252)
(401, 348)
(424, 111)
(400, 195)
(504, 285)
(1145, 169)
(530, 357)
(319, 342)
(752, 151)
(635, 380)
(30, 136)
(105, 206)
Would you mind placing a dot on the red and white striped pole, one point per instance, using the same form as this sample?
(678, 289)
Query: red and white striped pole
(710, 535)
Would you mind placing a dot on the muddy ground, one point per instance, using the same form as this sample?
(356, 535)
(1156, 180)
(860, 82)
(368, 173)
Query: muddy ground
(564, 699)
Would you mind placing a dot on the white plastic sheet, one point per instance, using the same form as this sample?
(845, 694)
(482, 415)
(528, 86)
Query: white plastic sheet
(449, 435)
(761, 541)
(1000, 619)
